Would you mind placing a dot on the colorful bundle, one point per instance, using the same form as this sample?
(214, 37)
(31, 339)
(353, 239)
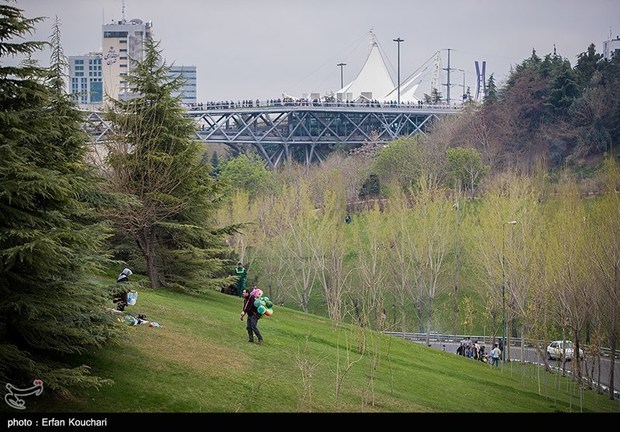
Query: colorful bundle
(262, 303)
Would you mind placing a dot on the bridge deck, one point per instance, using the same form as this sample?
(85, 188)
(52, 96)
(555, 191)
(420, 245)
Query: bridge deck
(276, 129)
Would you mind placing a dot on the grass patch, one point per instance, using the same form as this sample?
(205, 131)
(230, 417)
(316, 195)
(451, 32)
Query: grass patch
(199, 360)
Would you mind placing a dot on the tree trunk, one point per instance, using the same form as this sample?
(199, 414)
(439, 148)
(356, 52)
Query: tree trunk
(429, 322)
(612, 365)
(151, 269)
(146, 243)
(455, 310)
(522, 344)
(576, 359)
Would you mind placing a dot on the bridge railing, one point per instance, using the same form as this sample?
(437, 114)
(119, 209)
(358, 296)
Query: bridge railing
(276, 103)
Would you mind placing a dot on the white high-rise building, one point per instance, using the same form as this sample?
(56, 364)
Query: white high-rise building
(187, 92)
(86, 78)
(123, 45)
(611, 48)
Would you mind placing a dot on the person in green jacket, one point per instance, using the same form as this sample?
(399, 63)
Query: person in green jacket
(242, 275)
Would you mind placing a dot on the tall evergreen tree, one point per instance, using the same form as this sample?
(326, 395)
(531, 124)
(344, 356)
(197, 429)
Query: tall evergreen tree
(587, 64)
(50, 234)
(491, 95)
(215, 164)
(532, 62)
(169, 192)
(563, 90)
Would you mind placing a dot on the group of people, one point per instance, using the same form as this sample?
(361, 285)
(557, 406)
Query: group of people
(476, 351)
(249, 307)
(329, 102)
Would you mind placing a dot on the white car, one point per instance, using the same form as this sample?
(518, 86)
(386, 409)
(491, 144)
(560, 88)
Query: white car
(559, 349)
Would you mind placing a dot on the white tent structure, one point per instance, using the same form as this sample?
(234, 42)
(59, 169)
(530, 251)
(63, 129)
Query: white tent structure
(373, 82)
(410, 85)
(407, 90)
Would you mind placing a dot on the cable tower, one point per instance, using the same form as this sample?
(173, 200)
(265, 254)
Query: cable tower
(481, 83)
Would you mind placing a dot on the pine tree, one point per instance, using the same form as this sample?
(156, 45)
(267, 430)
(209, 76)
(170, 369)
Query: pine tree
(169, 192)
(50, 234)
(215, 164)
(491, 93)
(587, 64)
(563, 91)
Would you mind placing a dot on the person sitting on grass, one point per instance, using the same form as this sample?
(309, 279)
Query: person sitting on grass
(120, 297)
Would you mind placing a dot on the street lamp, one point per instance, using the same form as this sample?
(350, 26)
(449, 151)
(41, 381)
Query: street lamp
(504, 292)
(398, 41)
(341, 74)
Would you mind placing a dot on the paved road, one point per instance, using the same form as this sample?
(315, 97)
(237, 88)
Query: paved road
(530, 355)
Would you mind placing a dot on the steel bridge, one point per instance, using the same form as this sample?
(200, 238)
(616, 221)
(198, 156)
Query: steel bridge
(277, 129)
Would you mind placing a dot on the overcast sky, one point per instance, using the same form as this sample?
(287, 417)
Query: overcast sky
(249, 49)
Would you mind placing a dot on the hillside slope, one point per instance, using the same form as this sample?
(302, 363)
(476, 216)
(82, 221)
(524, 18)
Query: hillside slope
(199, 360)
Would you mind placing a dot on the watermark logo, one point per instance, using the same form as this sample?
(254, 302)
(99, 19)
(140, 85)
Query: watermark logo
(12, 398)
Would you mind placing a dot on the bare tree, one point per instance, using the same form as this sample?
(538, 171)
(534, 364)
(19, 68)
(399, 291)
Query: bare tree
(487, 246)
(301, 230)
(520, 252)
(605, 258)
(371, 254)
(374, 359)
(432, 237)
(307, 368)
(571, 279)
(329, 250)
(242, 212)
(276, 268)
(344, 366)
(401, 258)
(458, 209)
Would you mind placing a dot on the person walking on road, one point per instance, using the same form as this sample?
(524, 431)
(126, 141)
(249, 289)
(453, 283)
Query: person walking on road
(496, 353)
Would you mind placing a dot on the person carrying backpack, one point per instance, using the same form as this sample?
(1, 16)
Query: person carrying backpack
(250, 309)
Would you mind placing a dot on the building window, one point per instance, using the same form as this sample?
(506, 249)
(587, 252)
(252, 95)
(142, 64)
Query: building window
(114, 34)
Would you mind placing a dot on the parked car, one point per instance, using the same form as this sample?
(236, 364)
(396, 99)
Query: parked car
(558, 349)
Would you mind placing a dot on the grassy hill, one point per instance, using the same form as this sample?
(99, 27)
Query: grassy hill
(199, 360)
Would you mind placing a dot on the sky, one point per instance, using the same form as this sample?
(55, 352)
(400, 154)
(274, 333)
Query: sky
(250, 49)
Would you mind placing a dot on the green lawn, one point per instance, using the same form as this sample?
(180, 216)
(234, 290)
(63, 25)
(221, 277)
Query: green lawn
(199, 360)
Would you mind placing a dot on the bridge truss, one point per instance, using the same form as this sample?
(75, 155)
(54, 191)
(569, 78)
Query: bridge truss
(276, 131)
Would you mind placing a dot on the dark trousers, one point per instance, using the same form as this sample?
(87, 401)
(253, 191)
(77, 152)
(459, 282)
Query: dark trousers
(240, 287)
(252, 327)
